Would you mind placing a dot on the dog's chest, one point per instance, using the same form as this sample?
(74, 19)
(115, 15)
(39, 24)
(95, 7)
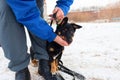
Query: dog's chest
(53, 48)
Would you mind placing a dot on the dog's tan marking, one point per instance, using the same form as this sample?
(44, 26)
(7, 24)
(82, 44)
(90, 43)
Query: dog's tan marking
(59, 33)
(63, 37)
(35, 62)
(54, 66)
(51, 49)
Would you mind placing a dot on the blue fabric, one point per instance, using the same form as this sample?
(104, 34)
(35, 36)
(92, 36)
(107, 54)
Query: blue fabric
(27, 13)
(64, 5)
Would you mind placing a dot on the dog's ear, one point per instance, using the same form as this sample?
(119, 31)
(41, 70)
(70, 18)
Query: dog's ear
(76, 26)
(64, 21)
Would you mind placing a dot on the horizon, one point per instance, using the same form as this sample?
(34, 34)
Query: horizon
(83, 3)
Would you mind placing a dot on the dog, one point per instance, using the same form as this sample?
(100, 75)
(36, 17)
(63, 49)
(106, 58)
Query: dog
(66, 31)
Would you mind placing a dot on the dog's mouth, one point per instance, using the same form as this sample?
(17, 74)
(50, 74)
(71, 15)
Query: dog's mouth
(68, 40)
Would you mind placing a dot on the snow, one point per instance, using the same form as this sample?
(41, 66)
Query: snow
(95, 53)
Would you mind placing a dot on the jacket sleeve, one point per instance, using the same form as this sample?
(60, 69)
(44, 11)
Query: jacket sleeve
(28, 14)
(64, 5)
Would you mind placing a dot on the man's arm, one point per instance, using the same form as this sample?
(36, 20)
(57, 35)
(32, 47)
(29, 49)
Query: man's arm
(28, 14)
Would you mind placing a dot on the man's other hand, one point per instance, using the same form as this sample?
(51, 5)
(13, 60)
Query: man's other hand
(60, 41)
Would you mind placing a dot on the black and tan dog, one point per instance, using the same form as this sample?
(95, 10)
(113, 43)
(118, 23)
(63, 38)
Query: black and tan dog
(66, 31)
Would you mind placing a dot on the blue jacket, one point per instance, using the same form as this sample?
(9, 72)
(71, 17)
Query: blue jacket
(28, 14)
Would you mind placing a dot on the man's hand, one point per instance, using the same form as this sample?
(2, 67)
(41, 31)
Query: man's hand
(60, 41)
(59, 14)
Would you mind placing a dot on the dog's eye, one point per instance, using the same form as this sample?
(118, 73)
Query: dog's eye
(64, 30)
(63, 37)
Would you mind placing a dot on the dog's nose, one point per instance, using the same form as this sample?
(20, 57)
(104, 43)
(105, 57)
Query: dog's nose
(70, 41)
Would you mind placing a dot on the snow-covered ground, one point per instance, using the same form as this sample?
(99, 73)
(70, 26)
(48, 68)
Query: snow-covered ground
(95, 53)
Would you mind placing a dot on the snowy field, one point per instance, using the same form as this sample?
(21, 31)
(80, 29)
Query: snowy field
(95, 53)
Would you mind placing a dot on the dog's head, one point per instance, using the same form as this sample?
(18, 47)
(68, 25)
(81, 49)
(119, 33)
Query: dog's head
(66, 30)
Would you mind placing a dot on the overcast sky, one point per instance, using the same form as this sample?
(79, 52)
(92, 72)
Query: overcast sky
(80, 4)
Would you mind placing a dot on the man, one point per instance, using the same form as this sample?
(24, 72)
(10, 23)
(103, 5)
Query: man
(14, 15)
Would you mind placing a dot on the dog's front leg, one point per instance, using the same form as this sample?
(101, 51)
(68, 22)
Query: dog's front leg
(54, 66)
